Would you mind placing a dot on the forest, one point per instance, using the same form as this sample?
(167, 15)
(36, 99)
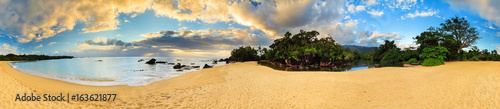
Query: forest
(436, 45)
(32, 57)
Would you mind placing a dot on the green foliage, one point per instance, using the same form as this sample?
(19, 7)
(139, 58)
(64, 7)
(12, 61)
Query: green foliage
(432, 62)
(434, 52)
(430, 37)
(380, 51)
(24, 57)
(412, 60)
(391, 58)
(305, 48)
(434, 55)
(244, 54)
(461, 31)
(367, 56)
(408, 53)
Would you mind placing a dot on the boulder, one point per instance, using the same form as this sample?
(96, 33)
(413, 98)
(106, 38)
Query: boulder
(177, 66)
(207, 66)
(152, 61)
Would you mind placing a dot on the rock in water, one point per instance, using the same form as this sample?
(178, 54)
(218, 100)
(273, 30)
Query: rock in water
(161, 62)
(178, 66)
(207, 66)
(152, 61)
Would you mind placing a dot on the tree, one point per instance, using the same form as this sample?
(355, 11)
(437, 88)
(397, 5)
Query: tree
(430, 37)
(379, 52)
(463, 34)
(391, 58)
(244, 54)
(305, 49)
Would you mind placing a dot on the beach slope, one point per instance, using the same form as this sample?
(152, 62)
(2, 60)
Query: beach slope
(249, 85)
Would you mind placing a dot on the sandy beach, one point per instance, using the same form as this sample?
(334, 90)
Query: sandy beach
(249, 85)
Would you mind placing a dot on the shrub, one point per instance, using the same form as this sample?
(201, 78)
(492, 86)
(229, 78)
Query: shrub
(432, 62)
(412, 60)
(475, 59)
(391, 58)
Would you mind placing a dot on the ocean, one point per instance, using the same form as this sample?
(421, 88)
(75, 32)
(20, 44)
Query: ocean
(108, 71)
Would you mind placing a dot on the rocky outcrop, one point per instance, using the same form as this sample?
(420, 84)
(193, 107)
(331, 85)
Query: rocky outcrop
(152, 61)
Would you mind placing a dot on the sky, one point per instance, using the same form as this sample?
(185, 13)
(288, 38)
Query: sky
(212, 28)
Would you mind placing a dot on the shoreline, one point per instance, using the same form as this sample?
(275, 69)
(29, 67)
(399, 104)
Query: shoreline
(248, 85)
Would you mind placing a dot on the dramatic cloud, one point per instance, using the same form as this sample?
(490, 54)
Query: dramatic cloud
(28, 20)
(37, 19)
(181, 43)
(488, 9)
(6, 49)
(346, 34)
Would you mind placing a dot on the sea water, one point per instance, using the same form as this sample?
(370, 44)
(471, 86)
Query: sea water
(108, 71)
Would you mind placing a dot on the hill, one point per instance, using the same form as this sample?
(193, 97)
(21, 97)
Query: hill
(362, 49)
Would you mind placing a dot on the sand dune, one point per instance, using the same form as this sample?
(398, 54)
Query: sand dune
(248, 85)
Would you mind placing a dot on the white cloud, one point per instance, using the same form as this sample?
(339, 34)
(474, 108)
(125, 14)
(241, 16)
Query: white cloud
(371, 2)
(487, 9)
(118, 35)
(183, 28)
(353, 9)
(376, 13)
(39, 46)
(420, 14)
(6, 49)
(52, 43)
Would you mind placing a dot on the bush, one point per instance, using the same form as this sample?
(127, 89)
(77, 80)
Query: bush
(475, 59)
(412, 60)
(391, 58)
(432, 62)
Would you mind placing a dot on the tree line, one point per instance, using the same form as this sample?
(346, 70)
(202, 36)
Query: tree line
(436, 45)
(32, 57)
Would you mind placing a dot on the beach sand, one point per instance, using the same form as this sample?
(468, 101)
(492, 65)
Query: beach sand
(249, 85)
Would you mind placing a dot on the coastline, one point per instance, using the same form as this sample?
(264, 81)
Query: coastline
(248, 85)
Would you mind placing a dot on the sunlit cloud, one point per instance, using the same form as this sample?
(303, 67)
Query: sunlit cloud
(6, 49)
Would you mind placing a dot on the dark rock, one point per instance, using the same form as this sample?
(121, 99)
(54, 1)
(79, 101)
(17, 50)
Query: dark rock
(196, 66)
(171, 63)
(140, 60)
(161, 62)
(178, 66)
(207, 66)
(214, 62)
(152, 61)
